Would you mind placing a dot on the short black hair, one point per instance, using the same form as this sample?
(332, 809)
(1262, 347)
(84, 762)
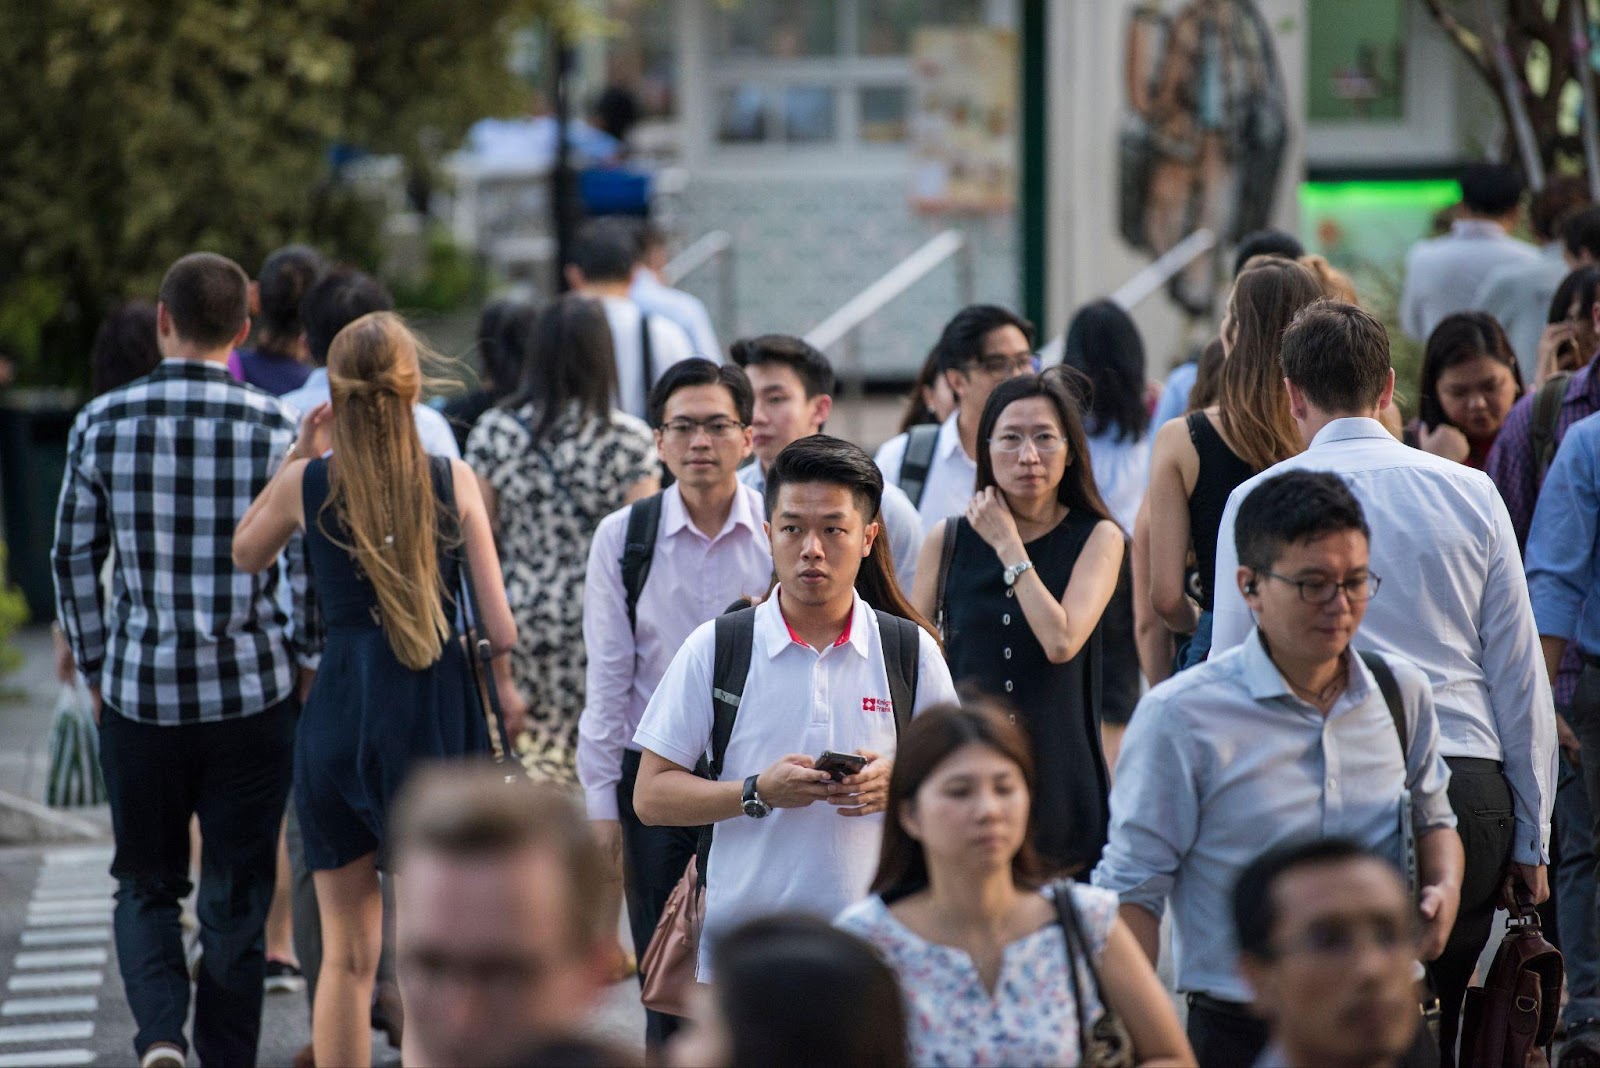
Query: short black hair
(1581, 233)
(286, 277)
(797, 354)
(1337, 354)
(342, 296)
(1255, 911)
(821, 458)
(961, 341)
(606, 249)
(1581, 287)
(1562, 197)
(208, 298)
(1491, 188)
(701, 372)
(1266, 243)
(1291, 507)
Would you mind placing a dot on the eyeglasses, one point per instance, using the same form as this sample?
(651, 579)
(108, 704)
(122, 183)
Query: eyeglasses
(1045, 443)
(1338, 940)
(1000, 364)
(683, 430)
(1320, 591)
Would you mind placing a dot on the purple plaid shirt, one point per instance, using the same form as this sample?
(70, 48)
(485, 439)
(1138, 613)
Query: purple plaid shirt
(1514, 469)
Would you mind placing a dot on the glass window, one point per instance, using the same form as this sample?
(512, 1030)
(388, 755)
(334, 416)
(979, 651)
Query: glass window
(885, 26)
(808, 114)
(743, 114)
(883, 115)
(776, 29)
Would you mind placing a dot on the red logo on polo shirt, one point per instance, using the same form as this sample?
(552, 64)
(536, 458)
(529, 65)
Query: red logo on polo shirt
(876, 704)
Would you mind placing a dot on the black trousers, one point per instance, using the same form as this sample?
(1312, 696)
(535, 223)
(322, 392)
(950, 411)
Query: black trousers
(653, 860)
(1481, 798)
(233, 775)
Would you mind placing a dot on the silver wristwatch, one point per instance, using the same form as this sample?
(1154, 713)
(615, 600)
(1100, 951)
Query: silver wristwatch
(1015, 571)
(752, 804)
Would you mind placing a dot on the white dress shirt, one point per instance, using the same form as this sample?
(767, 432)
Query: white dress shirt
(685, 309)
(692, 579)
(796, 700)
(952, 474)
(1223, 761)
(1443, 274)
(901, 524)
(1121, 474)
(668, 345)
(1518, 294)
(1454, 602)
(434, 429)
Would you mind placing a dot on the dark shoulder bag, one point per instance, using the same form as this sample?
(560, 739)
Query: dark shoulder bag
(1105, 1043)
(480, 654)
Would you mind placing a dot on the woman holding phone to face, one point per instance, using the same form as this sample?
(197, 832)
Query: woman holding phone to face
(1034, 563)
(962, 913)
(1470, 380)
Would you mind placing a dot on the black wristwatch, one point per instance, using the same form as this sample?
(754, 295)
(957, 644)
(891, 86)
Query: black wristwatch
(754, 807)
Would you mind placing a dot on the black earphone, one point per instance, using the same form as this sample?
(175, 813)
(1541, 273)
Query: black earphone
(1250, 587)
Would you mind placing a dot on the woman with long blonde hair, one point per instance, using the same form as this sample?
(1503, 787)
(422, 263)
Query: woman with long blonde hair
(385, 528)
(1198, 460)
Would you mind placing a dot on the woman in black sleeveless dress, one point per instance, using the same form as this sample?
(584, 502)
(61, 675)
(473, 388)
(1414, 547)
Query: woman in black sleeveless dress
(1032, 565)
(385, 527)
(1199, 460)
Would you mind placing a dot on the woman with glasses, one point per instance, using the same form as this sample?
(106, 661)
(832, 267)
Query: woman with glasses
(1018, 592)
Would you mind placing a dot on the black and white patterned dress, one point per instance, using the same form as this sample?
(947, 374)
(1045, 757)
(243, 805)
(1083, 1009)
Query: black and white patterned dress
(550, 496)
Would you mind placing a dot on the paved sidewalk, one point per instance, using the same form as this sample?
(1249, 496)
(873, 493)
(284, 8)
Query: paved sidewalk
(27, 707)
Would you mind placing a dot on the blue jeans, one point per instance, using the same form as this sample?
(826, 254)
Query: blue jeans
(233, 775)
(1196, 647)
(1575, 896)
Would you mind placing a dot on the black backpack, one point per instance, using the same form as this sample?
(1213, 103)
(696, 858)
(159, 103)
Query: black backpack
(921, 440)
(644, 516)
(735, 638)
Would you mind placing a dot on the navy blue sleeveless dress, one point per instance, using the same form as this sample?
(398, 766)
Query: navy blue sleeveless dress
(369, 718)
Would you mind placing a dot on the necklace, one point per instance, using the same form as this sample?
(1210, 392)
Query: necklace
(1325, 696)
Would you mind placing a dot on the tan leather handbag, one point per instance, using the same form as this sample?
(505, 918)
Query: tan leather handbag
(668, 962)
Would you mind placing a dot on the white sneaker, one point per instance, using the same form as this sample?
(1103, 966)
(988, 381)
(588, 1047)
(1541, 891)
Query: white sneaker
(162, 1055)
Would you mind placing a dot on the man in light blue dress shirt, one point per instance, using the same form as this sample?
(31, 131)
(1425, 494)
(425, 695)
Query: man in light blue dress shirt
(1285, 737)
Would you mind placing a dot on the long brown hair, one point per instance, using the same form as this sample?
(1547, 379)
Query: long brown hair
(1065, 388)
(927, 743)
(380, 487)
(1252, 403)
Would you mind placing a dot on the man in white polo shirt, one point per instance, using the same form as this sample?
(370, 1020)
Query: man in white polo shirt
(937, 467)
(824, 674)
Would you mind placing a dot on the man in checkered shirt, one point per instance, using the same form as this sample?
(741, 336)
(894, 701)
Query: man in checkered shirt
(192, 664)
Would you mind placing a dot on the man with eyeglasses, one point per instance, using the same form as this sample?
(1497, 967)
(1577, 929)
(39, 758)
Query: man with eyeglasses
(1289, 735)
(1455, 603)
(1328, 943)
(937, 467)
(657, 570)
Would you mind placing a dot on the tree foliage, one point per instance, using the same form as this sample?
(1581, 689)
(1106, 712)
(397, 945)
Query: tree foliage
(137, 131)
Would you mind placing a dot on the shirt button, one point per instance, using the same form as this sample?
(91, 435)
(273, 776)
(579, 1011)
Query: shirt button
(1010, 592)
(1008, 686)
(1008, 654)
(1333, 784)
(1006, 619)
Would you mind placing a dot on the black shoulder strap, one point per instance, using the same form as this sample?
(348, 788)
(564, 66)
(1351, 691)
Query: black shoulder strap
(947, 553)
(647, 355)
(730, 668)
(1542, 427)
(902, 656)
(644, 517)
(1389, 686)
(921, 440)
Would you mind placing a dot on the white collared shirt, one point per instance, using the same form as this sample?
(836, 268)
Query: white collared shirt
(952, 474)
(668, 345)
(1443, 274)
(796, 700)
(685, 309)
(434, 429)
(1454, 601)
(900, 522)
(692, 579)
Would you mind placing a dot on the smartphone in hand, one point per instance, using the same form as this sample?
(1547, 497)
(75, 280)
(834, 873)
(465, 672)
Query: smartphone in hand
(840, 764)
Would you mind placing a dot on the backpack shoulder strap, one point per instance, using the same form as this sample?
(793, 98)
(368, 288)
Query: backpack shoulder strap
(902, 656)
(647, 355)
(730, 668)
(1389, 686)
(921, 440)
(947, 553)
(644, 518)
(1542, 427)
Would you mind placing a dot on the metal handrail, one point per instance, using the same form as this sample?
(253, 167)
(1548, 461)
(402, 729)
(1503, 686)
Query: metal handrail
(899, 278)
(1146, 282)
(845, 324)
(713, 247)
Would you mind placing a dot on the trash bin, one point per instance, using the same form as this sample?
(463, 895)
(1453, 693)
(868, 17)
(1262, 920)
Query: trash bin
(34, 424)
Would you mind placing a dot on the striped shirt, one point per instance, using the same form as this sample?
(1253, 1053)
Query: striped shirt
(159, 472)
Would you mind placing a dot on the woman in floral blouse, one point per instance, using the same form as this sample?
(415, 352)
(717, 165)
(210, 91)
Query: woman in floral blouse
(959, 913)
(554, 459)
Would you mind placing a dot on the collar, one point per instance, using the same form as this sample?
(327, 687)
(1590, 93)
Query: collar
(1351, 428)
(949, 440)
(675, 514)
(1476, 228)
(1263, 681)
(200, 370)
(775, 634)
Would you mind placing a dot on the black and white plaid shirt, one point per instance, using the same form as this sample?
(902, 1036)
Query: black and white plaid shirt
(161, 471)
